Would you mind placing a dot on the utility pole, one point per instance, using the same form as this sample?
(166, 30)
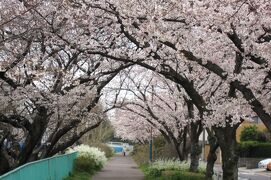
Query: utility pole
(151, 139)
(150, 147)
(204, 142)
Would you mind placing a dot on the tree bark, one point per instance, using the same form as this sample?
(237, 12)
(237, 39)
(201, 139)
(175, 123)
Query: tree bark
(196, 129)
(185, 146)
(195, 155)
(211, 156)
(38, 128)
(226, 137)
(4, 163)
(179, 150)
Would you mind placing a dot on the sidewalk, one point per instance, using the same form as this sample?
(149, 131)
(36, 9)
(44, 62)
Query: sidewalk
(120, 168)
(245, 174)
(257, 171)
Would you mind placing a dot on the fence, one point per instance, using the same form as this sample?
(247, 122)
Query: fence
(54, 168)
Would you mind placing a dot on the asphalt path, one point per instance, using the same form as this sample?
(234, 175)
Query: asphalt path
(120, 168)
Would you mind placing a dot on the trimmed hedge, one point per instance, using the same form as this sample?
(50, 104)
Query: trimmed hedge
(254, 149)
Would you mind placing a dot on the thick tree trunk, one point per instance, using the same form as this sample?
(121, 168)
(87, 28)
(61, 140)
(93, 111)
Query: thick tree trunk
(4, 163)
(226, 137)
(196, 129)
(185, 145)
(178, 149)
(38, 128)
(195, 155)
(211, 156)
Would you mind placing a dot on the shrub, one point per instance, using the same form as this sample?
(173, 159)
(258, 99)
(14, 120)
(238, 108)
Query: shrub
(249, 133)
(254, 149)
(168, 164)
(171, 169)
(84, 164)
(91, 153)
(83, 168)
(172, 164)
(109, 152)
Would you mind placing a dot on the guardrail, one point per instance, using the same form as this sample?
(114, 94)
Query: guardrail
(54, 168)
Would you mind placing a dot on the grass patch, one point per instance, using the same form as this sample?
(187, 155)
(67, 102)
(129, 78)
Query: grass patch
(75, 175)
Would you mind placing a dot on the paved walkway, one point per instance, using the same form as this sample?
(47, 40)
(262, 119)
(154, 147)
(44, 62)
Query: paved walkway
(245, 174)
(120, 168)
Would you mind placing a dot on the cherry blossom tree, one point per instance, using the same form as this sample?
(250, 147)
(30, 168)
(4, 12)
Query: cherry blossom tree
(50, 82)
(228, 38)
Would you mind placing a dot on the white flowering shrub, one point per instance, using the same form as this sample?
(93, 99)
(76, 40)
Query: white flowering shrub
(91, 153)
(173, 164)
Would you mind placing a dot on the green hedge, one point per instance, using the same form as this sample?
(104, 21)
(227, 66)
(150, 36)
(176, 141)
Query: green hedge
(254, 149)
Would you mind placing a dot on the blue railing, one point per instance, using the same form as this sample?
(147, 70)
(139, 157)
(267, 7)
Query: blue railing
(54, 168)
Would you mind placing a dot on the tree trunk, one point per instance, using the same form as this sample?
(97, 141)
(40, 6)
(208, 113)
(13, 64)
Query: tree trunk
(211, 156)
(196, 129)
(33, 139)
(178, 149)
(226, 137)
(4, 163)
(185, 149)
(195, 155)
